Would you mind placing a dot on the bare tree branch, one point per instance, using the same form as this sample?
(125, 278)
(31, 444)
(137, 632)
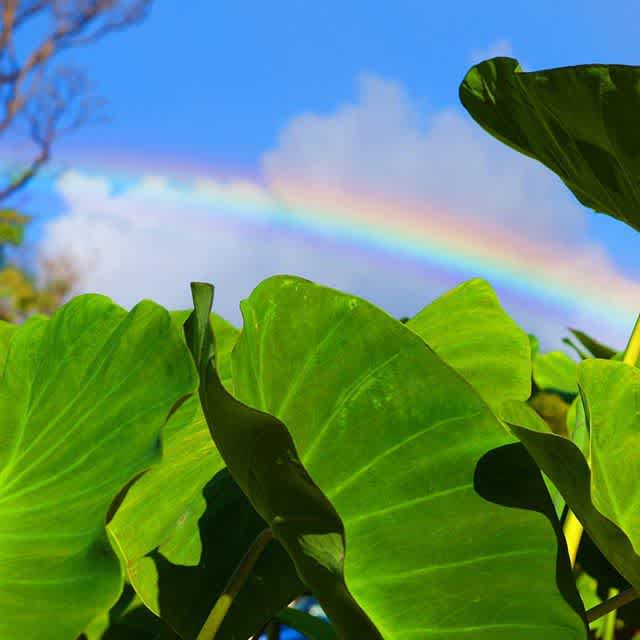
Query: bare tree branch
(52, 104)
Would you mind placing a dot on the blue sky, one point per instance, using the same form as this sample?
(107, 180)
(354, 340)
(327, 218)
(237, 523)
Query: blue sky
(224, 86)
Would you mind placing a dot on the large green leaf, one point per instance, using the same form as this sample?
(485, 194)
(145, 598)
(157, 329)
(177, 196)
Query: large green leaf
(82, 401)
(448, 526)
(610, 393)
(603, 499)
(468, 328)
(182, 532)
(579, 121)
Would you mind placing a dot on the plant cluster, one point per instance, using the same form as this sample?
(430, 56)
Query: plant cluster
(164, 474)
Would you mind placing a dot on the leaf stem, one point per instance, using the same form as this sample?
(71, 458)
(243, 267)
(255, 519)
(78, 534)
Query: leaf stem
(610, 621)
(629, 595)
(573, 533)
(235, 584)
(632, 352)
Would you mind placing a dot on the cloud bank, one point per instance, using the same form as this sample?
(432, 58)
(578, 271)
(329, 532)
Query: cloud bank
(152, 239)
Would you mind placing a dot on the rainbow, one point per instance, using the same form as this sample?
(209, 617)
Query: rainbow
(536, 283)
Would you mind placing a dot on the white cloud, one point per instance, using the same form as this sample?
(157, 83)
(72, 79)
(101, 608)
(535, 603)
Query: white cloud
(381, 146)
(154, 238)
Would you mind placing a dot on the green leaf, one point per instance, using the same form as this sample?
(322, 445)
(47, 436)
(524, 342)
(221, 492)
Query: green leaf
(468, 328)
(311, 627)
(610, 393)
(411, 459)
(226, 335)
(555, 370)
(579, 121)
(594, 497)
(82, 401)
(177, 554)
(597, 349)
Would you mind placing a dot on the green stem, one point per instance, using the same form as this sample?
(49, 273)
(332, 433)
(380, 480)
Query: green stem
(610, 621)
(235, 584)
(629, 595)
(573, 533)
(632, 352)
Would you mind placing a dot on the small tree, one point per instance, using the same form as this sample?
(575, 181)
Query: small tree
(45, 104)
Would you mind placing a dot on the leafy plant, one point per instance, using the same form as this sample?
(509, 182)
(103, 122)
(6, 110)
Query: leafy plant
(167, 475)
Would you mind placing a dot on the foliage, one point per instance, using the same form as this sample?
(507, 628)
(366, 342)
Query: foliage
(21, 296)
(421, 477)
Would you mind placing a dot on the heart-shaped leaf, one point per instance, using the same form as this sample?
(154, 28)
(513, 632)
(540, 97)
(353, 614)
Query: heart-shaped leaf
(82, 401)
(580, 121)
(411, 459)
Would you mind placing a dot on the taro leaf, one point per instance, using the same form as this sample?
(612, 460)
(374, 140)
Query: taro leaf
(610, 393)
(226, 335)
(409, 455)
(162, 525)
(597, 349)
(555, 371)
(82, 401)
(579, 121)
(468, 328)
(311, 627)
(567, 467)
